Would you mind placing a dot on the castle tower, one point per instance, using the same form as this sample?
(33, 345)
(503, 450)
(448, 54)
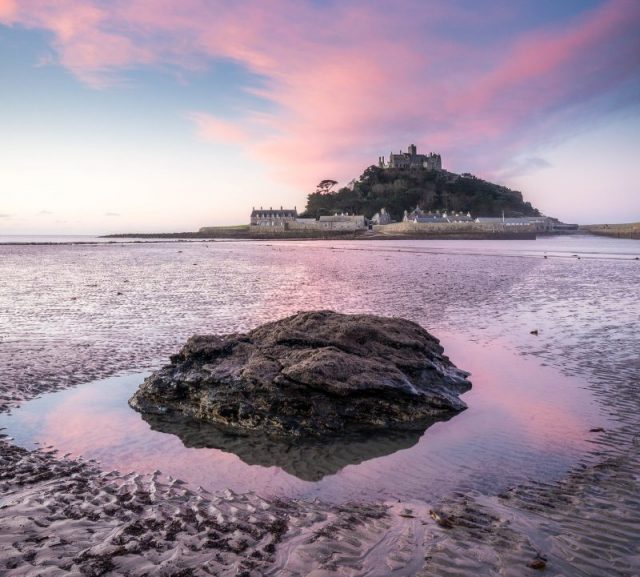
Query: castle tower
(413, 150)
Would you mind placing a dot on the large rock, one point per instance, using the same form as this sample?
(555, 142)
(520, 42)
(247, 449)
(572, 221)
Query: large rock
(313, 373)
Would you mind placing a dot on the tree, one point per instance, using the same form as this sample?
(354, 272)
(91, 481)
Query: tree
(398, 190)
(325, 186)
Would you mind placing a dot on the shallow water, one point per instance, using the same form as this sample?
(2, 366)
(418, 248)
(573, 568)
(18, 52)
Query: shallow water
(56, 239)
(75, 314)
(46, 239)
(518, 412)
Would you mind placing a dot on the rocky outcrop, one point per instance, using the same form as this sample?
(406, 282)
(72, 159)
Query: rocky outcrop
(313, 373)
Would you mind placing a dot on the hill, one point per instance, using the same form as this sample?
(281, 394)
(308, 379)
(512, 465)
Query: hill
(400, 189)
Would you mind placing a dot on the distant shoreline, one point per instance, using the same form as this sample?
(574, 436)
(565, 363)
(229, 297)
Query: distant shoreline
(321, 235)
(623, 230)
(242, 233)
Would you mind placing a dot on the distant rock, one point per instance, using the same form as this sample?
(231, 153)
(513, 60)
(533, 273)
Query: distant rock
(313, 373)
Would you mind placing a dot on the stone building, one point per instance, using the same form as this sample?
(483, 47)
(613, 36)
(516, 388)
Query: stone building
(271, 217)
(420, 216)
(540, 223)
(411, 159)
(285, 219)
(338, 222)
(382, 217)
(343, 222)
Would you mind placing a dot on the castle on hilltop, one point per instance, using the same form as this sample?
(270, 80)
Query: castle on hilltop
(411, 159)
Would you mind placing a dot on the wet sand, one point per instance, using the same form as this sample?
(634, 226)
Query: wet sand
(68, 517)
(516, 412)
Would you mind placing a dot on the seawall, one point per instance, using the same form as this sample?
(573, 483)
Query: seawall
(625, 230)
(274, 233)
(462, 230)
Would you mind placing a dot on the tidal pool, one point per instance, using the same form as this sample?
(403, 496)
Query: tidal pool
(524, 421)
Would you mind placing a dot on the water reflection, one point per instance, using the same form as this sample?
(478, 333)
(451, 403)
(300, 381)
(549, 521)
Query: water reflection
(306, 459)
(524, 421)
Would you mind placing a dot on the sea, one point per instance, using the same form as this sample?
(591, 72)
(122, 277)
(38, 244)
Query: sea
(548, 329)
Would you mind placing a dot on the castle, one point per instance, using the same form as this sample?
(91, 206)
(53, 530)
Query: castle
(411, 159)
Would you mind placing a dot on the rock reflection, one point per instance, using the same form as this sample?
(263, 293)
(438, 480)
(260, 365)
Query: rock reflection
(306, 459)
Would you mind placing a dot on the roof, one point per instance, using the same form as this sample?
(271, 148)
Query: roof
(512, 220)
(426, 219)
(271, 213)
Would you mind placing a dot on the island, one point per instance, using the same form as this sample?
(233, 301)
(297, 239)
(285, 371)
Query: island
(408, 195)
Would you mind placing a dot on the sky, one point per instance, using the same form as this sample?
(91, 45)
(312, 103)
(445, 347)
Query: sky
(160, 115)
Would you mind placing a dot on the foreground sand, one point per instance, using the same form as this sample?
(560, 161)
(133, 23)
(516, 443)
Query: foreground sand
(67, 517)
(67, 323)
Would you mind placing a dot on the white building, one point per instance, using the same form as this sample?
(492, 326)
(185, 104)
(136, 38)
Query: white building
(381, 217)
(271, 217)
(418, 215)
(541, 223)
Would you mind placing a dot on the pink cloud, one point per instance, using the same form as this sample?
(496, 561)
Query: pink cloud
(532, 74)
(211, 128)
(8, 10)
(349, 80)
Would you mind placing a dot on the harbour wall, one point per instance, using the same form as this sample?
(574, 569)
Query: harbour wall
(625, 230)
(457, 230)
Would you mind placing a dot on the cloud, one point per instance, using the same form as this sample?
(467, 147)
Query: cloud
(111, 214)
(8, 9)
(45, 212)
(210, 128)
(348, 81)
(5, 215)
(524, 166)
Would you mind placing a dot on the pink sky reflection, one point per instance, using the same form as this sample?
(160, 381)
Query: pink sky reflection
(520, 416)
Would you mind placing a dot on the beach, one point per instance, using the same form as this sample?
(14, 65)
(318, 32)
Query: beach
(558, 491)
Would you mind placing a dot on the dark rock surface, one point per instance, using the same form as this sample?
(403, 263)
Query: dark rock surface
(313, 373)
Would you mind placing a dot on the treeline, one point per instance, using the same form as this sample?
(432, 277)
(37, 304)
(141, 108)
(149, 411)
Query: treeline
(398, 190)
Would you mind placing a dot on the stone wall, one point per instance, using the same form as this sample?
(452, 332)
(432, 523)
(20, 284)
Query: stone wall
(454, 229)
(276, 232)
(625, 230)
(350, 225)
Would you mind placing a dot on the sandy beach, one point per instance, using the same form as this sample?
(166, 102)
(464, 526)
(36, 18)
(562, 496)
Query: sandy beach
(307, 288)
(65, 515)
